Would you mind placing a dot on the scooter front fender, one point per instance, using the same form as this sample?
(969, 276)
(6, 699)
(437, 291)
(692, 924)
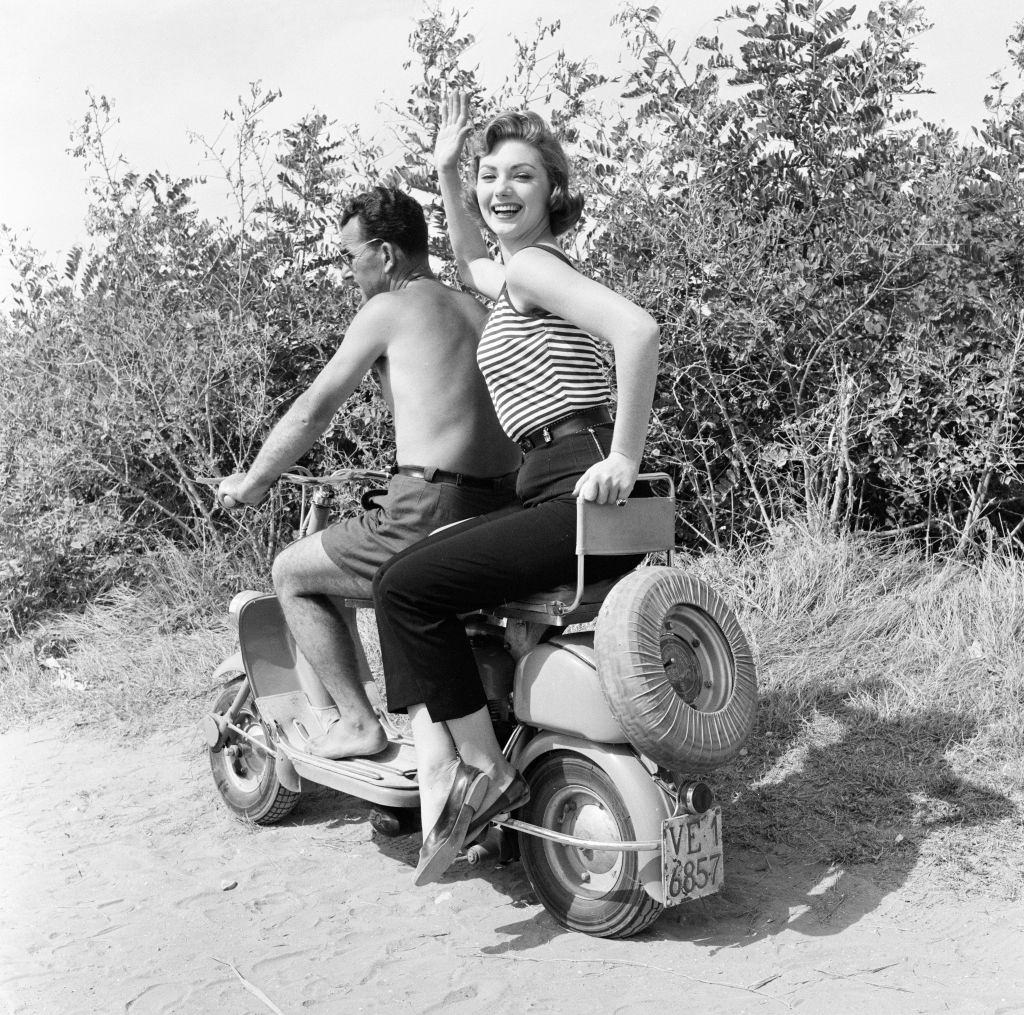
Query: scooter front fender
(648, 805)
(231, 667)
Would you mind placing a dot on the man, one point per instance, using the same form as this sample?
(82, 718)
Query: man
(419, 337)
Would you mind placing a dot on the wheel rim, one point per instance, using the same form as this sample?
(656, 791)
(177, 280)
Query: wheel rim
(697, 659)
(575, 810)
(245, 765)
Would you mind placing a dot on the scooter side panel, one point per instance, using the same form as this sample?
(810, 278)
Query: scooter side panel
(266, 646)
(556, 688)
(647, 805)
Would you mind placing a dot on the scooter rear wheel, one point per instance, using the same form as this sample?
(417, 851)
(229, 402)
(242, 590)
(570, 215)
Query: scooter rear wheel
(244, 775)
(590, 891)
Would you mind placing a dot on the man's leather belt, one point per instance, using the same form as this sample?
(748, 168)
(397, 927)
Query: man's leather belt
(576, 422)
(432, 475)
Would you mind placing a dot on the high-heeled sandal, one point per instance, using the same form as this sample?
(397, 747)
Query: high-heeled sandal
(515, 795)
(442, 844)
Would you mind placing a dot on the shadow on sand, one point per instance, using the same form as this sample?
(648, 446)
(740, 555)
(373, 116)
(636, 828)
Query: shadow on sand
(821, 823)
(828, 819)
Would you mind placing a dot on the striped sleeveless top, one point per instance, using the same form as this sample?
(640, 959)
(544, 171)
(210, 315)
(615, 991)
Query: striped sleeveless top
(538, 367)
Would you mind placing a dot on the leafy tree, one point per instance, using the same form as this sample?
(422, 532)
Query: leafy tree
(840, 288)
(802, 236)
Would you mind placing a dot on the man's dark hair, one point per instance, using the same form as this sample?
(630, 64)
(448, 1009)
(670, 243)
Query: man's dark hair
(387, 213)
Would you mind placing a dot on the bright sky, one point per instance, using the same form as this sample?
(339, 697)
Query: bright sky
(174, 66)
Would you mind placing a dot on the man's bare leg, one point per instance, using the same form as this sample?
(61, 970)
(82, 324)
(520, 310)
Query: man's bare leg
(306, 581)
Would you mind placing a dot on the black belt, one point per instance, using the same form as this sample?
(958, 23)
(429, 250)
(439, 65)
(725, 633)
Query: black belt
(575, 422)
(432, 475)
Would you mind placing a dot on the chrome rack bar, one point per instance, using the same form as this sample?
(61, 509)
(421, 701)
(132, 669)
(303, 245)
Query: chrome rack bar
(618, 846)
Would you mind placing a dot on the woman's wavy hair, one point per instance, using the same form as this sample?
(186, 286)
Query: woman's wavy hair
(564, 207)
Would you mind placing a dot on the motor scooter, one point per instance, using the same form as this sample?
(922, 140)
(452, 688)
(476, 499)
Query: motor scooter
(613, 700)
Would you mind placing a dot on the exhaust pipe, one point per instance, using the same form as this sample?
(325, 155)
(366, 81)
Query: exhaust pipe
(694, 797)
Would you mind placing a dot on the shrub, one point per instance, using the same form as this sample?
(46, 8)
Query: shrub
(840, 289)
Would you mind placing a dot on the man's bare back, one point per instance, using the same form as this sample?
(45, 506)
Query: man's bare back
(442, 410)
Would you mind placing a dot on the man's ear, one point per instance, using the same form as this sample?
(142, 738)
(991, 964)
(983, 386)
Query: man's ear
(390, 255)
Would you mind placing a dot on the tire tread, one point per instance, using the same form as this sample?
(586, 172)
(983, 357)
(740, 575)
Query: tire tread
(633, 680)
(624, 919)
(273, 802)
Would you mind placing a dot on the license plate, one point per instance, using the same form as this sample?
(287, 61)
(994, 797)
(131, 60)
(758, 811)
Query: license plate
(691, 856)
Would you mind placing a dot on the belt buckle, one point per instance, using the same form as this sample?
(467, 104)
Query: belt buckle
(532, 441)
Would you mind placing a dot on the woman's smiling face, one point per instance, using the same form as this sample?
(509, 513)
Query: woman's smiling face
(513, 192)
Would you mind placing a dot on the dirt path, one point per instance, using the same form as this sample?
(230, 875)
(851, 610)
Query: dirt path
(117, 863)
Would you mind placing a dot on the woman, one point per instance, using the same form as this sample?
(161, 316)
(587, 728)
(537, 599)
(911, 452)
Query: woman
(540, 358)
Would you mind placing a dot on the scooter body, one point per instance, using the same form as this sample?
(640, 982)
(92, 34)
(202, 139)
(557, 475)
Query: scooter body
(609, 838)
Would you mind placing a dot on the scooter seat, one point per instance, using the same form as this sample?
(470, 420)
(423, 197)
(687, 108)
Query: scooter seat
(549, 607)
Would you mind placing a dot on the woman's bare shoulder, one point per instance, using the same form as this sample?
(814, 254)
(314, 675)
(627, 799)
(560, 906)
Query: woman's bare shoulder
(534, 274)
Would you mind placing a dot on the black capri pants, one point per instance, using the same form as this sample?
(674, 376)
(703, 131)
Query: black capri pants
(478, 564)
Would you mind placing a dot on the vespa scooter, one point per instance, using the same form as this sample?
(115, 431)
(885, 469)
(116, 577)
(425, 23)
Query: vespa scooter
(613, 700)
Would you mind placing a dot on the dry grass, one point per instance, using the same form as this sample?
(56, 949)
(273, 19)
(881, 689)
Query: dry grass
(136, 659)
(139, 658)
(891, 722)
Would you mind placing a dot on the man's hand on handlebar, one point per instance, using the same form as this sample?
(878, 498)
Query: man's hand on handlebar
(236, 492)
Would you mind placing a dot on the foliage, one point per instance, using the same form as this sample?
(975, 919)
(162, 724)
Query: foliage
(890, 699)
(841, 283)
(840, 289)
(162, 356)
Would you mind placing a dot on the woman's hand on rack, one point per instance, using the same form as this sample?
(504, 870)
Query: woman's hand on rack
(609, 481)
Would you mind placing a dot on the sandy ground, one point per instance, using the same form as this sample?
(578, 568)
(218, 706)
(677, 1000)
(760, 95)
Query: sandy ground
(125, 886)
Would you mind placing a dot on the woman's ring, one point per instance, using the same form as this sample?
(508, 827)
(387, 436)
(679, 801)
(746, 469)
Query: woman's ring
(620, 503)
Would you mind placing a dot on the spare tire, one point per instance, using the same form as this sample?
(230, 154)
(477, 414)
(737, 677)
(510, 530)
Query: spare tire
(675, 669)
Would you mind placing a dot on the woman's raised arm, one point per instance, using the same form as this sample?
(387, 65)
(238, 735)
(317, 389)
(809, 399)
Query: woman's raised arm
(475, 266)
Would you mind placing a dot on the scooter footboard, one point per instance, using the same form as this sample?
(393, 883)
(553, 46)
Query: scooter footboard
(647, 804)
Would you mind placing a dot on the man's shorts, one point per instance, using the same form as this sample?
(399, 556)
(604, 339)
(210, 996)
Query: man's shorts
(411, 509)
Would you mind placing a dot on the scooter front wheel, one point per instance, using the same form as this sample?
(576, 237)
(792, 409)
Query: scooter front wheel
(592, 891)
(245, 775)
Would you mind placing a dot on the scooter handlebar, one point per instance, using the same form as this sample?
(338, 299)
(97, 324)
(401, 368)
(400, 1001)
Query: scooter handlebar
(303, 478)
(338, 478)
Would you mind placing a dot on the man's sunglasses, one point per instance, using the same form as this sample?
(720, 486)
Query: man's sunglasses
(348, 256)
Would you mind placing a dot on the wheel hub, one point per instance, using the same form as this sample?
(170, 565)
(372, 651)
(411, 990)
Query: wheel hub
(593, 822)
(581, 815)
(682, 667)
(245, 763)
(696, 658)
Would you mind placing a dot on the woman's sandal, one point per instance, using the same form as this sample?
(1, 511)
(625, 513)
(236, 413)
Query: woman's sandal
(514, 796)
(445, 840)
